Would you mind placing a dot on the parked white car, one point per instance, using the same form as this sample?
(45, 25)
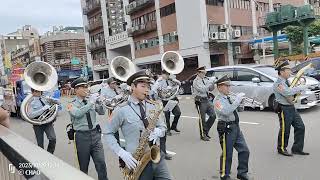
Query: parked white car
(256, 82)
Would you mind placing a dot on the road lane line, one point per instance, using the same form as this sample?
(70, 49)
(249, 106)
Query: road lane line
(242, 122)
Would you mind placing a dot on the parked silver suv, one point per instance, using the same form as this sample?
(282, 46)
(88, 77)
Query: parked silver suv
(256, 82)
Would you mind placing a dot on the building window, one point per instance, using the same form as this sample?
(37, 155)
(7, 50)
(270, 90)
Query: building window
(144, 19)
(167, 10)
(214, 2)
(170, 38)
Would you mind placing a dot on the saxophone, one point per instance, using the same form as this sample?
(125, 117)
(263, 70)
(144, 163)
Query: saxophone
(144, 153)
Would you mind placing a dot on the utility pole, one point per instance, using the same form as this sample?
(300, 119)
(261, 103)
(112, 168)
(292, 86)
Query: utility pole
(227, 22)
(256, 56)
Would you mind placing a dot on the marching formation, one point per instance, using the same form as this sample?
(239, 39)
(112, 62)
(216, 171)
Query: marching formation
(140, 108)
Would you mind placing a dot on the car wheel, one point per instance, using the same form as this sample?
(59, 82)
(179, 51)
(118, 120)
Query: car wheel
(271, 102)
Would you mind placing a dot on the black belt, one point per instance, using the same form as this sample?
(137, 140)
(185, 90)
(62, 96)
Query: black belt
(97, 128)
(201, 98)
(286, 105)
(231, 122)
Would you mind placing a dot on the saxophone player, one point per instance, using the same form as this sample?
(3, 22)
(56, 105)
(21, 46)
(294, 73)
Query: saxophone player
(287, 113)
(87, 135)
(37, 106)
(131, 118)
(201, 88)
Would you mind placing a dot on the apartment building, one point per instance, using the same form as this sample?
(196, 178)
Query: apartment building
(205, 32)
(66, 51)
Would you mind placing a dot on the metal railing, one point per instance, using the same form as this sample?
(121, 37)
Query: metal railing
(137, 5)
(20, 159)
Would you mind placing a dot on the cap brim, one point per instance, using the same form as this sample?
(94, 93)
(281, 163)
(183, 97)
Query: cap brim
(224, 83)
(80, 84)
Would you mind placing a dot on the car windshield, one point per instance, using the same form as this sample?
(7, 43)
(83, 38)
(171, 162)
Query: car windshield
(268, 70)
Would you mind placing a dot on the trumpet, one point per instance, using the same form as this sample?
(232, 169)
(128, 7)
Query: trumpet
(248, 101)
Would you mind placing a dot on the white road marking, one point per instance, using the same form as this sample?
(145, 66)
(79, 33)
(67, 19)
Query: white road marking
(242, 122)
(169, 152)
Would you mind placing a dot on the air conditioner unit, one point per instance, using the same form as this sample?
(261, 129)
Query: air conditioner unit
(113, 17)
(144, 41)
(174, 33)
(223, 26)
(222, 35)
(237, 49)
(237, 33)
(213, 35)
(113, 11)
(254, 46)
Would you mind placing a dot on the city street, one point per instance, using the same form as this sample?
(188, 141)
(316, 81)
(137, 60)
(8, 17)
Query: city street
(199, 160)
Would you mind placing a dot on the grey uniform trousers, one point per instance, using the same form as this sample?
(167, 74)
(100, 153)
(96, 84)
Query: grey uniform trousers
(39, 131)
(204, 108)
(233, 138)
(157, 171)
(288, 116)
(88, 143)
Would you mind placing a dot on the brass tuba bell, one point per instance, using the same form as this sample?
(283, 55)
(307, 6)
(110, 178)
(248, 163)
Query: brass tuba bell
(122, 68)
(172, 62)
(40, 76)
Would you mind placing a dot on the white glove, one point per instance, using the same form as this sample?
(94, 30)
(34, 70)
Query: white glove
(155, 135)
(93, 98)
(46, 107)
(130, 161)
(239, 98)
(303, 87)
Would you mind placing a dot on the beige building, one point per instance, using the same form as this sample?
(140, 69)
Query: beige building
(205, 32)
(66, 51)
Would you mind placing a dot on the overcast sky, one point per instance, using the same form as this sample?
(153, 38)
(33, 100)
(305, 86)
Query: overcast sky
(41, 14)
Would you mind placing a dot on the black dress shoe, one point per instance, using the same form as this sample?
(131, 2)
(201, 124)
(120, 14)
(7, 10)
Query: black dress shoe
(169, 133)
(175, 129)
(205, 138)
(208, 136)
(225, 178)
(300, 153)
(285, 153)
(167, 157)
(243, 177)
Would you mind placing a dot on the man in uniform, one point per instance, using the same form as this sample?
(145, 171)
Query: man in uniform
(230, 135)
(37, 107)
(201, 86)
(163, 83)
(88, 132)
(287, 113)
(132, 118)
(111, 90)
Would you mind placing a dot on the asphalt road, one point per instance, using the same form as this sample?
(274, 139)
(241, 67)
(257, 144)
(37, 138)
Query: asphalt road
(199, 160)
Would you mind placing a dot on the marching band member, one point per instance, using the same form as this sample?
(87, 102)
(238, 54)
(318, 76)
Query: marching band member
(229, 131)
(287, 113)
(154, 94)
(131, 118)
(111, 90)
(88, 132)
(201, 86)
(38, 106)
(164, 82)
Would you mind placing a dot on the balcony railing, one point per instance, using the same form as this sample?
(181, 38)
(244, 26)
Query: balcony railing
(143, 28)
(91, 6)
(137, 5)
(97, 45)
(95, 25)
(99, 62)
(21, 159)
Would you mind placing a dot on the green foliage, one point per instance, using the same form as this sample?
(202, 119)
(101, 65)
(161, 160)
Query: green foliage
(295, 34)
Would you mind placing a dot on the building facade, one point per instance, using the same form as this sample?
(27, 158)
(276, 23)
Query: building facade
(66, 51)
(205, 32)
